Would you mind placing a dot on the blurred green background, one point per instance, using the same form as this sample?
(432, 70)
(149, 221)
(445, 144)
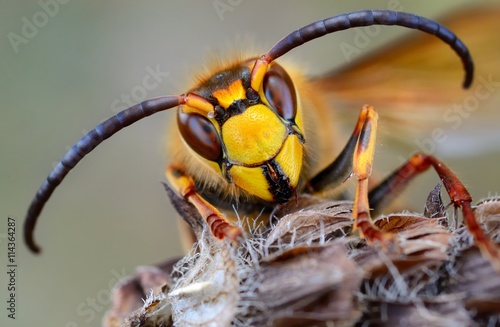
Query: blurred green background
(111, 213)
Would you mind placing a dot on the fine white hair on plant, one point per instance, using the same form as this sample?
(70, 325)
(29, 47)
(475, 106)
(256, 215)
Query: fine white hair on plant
(308, 269)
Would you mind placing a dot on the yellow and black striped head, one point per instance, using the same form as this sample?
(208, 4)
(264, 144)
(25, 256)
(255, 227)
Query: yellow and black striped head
(253, 139)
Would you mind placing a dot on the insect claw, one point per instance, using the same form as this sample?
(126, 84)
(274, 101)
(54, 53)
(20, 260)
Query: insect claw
(371, 233)
(222, 228)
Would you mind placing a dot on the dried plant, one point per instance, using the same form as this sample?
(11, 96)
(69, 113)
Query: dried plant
(308, 270)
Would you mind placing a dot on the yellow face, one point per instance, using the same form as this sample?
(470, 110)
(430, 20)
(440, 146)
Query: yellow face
(252, 139)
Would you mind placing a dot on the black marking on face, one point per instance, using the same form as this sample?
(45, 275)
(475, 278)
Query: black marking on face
(279, 183)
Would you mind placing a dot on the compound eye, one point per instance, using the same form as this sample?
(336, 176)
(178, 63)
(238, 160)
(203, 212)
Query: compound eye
(200, 134)
(280, 93)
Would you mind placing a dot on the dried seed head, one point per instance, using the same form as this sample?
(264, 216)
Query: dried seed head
(306, 270)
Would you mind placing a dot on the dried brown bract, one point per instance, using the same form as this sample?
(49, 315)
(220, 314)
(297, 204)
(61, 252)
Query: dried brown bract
(309, 270)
